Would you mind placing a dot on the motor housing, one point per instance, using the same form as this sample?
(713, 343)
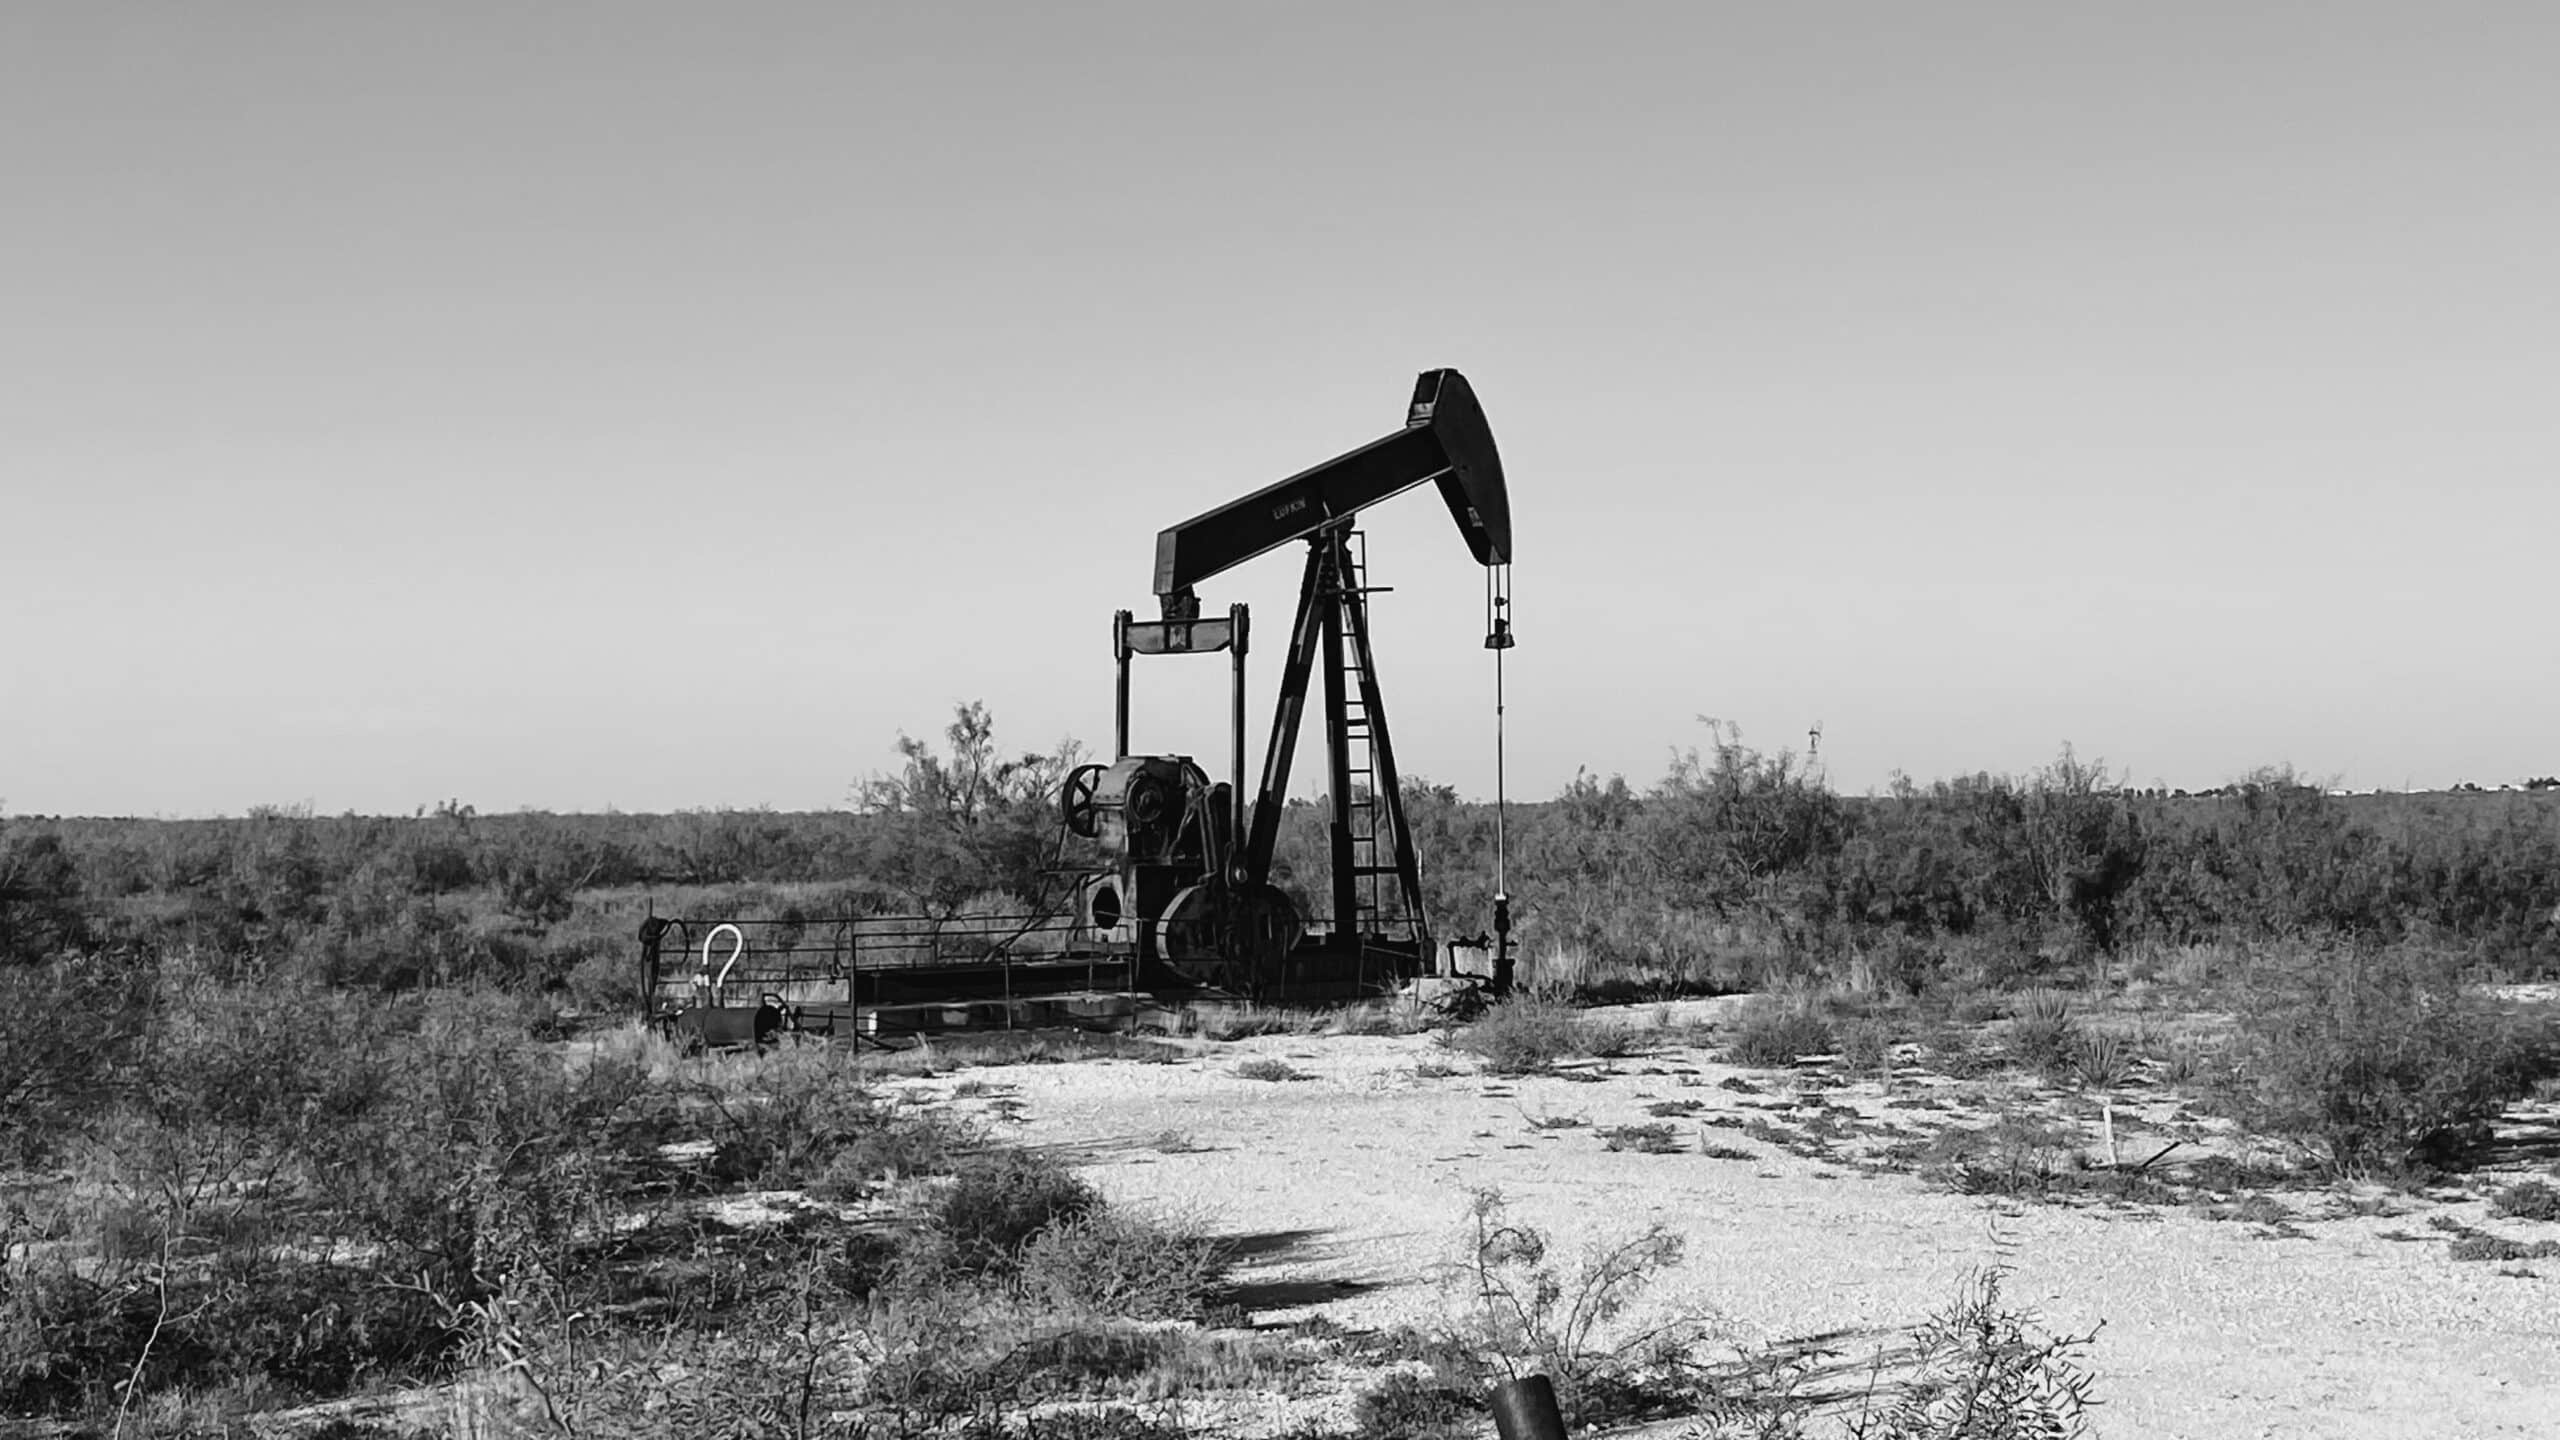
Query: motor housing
(1146, 811)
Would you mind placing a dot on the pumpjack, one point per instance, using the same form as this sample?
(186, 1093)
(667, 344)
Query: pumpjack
(1188, 891)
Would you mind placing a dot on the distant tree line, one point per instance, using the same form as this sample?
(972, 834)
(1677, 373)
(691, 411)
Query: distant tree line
(1731, 852)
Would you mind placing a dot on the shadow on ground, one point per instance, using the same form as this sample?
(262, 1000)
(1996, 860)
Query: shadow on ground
(1293, 1249)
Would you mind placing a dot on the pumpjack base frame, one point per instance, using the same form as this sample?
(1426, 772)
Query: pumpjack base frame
(821, 971)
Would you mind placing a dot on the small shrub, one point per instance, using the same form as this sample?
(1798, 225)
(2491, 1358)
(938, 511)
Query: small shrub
(1265, 1067)
(1771, 1035)
(2043, 1037)
(1609, 1040)
(998, 1202)
(1950, 1051)
(803, 1118)
(2182, 1061)
(2378, 1056)
(1523, 1316)
(64, 1027)
(1403, 1405)
(599, 979)
(1977, 1007)
(1901, 966)
(2527, 1200)
(40, 892)
(886, 1143)
(1523, 1036)
(1984, 1371)
(1866, 1047)
(2042, 1003)
(2102, 1060)
(1653, 1139)
(2230, 1175)
(1110, 1261)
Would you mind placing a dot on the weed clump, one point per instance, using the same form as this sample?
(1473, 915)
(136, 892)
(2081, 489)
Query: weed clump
(1523, 1036)
(2044, 1037)
(2182, 1061)
(1651, 1139)
(803, 1119)
(2527, 1200)
(997, 1204)
(2101, 1060)
(2498, 1247)
(1866, 1048)
(1772, 1035)
(1410, 1406)
(1115, 1262)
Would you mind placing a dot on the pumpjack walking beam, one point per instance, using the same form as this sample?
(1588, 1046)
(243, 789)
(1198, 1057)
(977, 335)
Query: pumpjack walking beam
(1445, 438)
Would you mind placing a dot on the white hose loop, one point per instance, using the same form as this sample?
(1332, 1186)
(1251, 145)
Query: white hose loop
(738, 947)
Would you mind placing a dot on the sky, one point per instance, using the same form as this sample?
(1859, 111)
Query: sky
(654, 406)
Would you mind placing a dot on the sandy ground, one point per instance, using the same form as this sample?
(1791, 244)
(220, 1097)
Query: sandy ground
(1354, 1184)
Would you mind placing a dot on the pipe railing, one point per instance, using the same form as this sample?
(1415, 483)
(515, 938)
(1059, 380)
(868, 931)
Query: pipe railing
(690, 960)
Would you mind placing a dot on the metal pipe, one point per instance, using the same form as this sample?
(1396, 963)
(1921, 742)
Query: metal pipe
(1501, 810)
(1120, 696)
(1236, 618)
(1526, 1409)
(738, 947)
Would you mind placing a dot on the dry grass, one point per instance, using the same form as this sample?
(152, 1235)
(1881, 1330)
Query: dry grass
(1246, 1022)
